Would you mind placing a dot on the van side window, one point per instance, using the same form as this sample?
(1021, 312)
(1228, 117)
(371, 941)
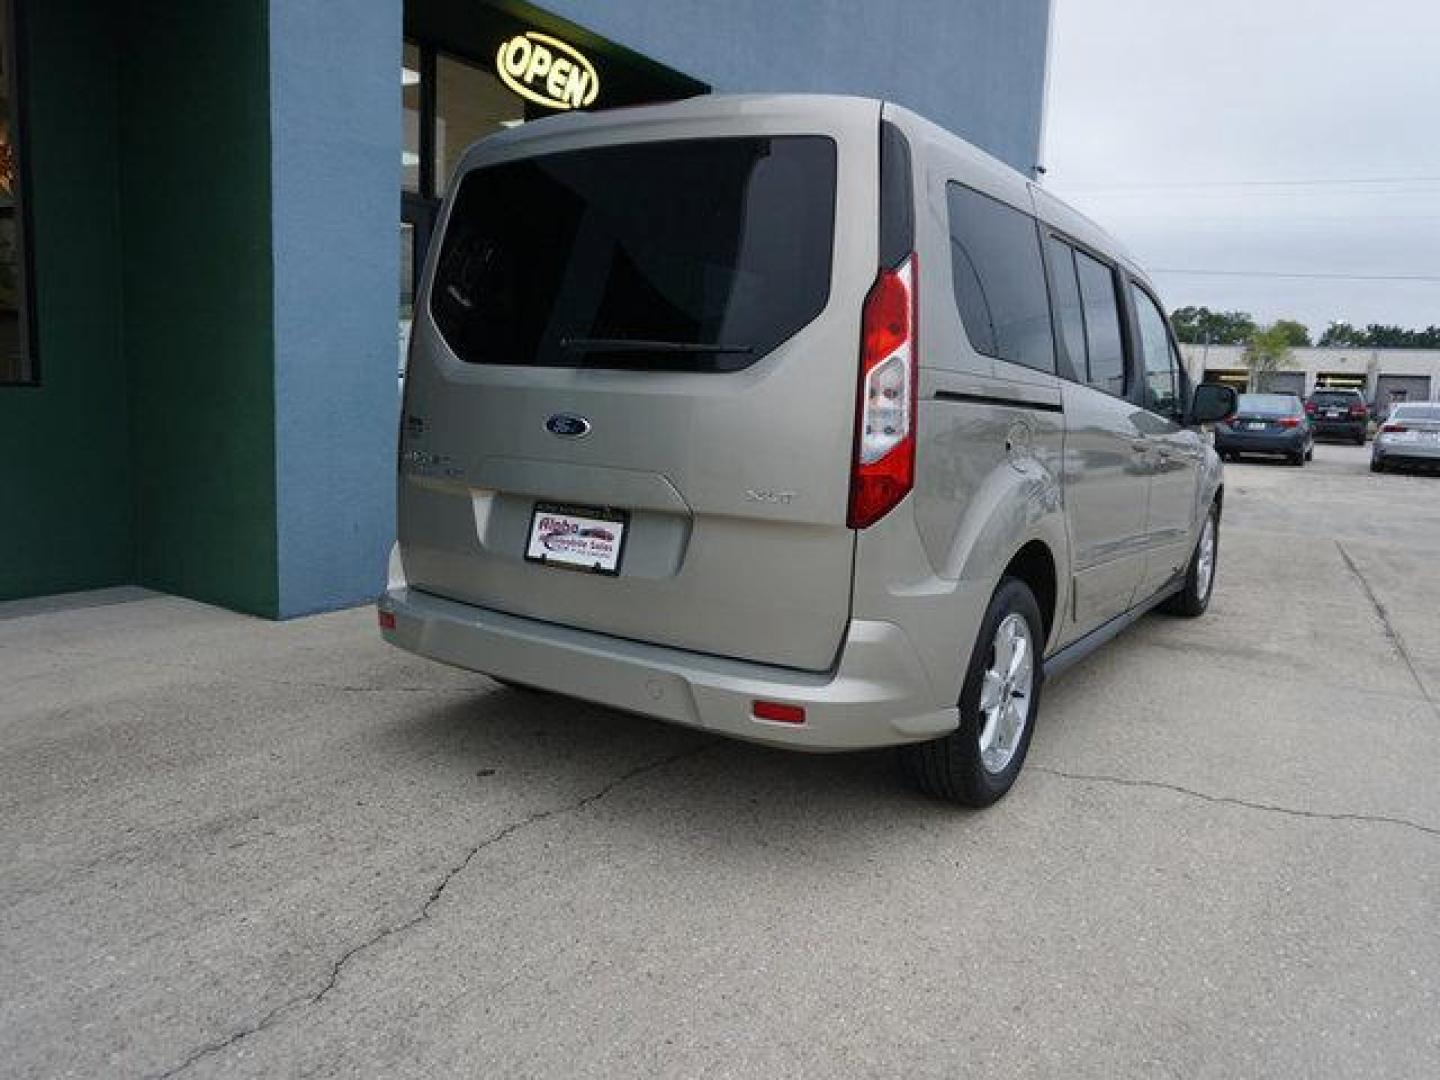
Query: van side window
(1104, 344)
(1065, 302)
(999, 280)
(1161, 366)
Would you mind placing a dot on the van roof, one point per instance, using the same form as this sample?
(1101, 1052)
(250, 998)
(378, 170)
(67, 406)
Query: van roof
(997, 178)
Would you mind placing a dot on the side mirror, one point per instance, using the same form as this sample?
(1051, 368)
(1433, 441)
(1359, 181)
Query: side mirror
(1211, 403)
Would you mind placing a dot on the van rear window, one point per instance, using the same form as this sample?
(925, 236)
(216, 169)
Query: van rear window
(696, 255)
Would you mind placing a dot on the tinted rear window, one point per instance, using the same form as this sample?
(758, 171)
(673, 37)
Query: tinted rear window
(699, 242)
(1269, 405)
(1335, 397)
(1415, 412)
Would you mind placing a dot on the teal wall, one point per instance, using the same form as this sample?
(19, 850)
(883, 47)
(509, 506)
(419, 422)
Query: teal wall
(195, 212)
(66, 518)
(147, 454)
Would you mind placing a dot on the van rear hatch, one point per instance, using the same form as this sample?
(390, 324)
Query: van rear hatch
(631, 398)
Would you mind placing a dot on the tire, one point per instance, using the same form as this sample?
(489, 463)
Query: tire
(1295, 459)
(1194, 597)
(1360, 439)
(956, 768)
(1376, 465)
(1310, 452)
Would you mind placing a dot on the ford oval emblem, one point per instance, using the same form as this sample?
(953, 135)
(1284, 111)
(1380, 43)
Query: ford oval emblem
(568, 426)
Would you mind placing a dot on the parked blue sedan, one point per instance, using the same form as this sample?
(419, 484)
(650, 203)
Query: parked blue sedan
(1272, 424)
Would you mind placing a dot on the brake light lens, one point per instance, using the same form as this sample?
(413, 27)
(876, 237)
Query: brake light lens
(883, 471)
(1392, 428)
(387, 620)
(1357, 409)
(1289, 421)
(1310, 406)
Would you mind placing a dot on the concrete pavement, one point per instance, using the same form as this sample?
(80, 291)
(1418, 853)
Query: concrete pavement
(234, 848)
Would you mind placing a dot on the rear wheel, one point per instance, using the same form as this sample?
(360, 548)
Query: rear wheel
(1360, 439)
(1194, 597)
(1295, 459)
(977, 763)
(1376, 465)
(1310, 452)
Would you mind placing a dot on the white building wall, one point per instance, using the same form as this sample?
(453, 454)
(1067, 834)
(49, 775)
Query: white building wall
(1371, 363)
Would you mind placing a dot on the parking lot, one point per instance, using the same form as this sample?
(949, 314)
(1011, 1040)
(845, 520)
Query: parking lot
(237, 848)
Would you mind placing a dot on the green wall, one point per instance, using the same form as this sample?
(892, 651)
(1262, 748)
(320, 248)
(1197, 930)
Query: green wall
(147, 454)
(66, 517)
(198, 341)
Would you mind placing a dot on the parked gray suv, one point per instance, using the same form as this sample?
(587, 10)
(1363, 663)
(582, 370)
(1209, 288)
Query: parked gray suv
(795, 419)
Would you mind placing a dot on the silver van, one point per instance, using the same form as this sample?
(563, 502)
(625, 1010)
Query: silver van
(796, 419)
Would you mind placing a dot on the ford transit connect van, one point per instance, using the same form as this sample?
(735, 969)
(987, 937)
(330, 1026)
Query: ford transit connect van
(795, 419)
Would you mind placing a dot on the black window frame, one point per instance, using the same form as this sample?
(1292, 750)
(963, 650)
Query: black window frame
(24, 232)
(1182, 381)
(1127, 348)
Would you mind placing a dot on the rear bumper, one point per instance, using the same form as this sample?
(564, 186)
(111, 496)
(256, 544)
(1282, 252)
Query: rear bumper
(1416, 453)
(1261, 442)
(877, 695)
(1348, 429)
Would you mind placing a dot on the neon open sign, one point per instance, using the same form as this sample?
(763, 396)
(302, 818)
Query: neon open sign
(547, 71)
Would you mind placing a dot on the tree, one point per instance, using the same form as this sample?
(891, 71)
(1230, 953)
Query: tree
(1379, 336)
(1201, 326)
(1267, 352)
(1339, 334)
(1294, 333)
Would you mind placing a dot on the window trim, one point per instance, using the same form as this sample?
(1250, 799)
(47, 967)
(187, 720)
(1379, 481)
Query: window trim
(24, 230)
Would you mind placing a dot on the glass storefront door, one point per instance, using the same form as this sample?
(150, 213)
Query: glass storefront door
(448, 103)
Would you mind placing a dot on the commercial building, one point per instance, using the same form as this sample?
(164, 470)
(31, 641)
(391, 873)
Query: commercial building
(199, 267)
(1383, 375)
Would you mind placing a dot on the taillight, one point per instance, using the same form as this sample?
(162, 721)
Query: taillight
(1310, 406)
(1392, 428)
(1289, 421)
(1357, 410)
(883, 471)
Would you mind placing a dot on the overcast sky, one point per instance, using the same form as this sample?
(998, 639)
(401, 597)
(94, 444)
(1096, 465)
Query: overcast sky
(1170, 122)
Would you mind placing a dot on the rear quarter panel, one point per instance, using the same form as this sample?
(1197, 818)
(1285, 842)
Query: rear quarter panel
(989, 454)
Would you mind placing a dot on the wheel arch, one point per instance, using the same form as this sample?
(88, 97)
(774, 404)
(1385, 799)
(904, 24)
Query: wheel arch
(1034, 564)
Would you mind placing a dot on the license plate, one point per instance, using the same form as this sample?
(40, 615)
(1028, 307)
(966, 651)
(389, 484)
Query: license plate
(1333, 414)
(1256, 425)
(577, 537)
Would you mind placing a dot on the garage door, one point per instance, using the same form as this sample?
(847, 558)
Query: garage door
(1285, 382)
(1392, 388)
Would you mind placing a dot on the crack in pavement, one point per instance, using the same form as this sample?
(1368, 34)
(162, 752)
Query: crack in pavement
(305, 1001)
(1231, 800)
(1388, 627)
